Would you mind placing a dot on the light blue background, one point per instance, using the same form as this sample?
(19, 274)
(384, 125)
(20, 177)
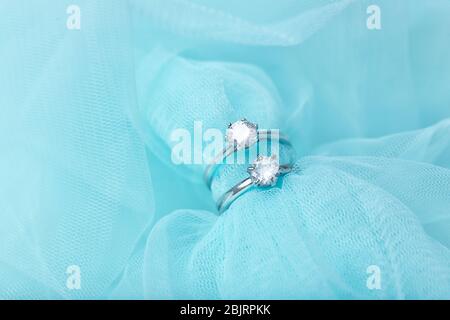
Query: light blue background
(86, 177)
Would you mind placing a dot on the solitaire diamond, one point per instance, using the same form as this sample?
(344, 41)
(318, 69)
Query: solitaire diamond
(242, 134)
(264, 171)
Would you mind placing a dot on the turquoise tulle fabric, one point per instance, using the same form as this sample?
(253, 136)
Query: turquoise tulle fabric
(87, 179)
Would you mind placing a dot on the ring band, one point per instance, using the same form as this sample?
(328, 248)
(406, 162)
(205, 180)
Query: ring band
(261, 178)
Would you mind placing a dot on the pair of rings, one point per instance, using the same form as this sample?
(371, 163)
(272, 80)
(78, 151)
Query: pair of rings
(263, 172)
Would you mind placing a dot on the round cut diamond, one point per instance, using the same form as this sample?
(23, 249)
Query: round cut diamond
(264, 171)
(242, 134)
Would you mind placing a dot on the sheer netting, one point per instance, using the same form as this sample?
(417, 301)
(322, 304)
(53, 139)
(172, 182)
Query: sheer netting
(365, 112)
(75, 191)
(87, 178)
(386, 205)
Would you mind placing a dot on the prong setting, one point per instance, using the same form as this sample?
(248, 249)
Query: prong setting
(242, 134)
(264, 171)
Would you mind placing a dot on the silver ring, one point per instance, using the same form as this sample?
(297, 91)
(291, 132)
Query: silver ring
(240, 135)
(264, 172)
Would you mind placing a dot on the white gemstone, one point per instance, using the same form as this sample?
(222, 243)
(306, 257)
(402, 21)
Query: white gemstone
(264, 171)
(242, 134)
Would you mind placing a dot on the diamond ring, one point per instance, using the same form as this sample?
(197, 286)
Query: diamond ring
(264, 172)
(241, 135)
